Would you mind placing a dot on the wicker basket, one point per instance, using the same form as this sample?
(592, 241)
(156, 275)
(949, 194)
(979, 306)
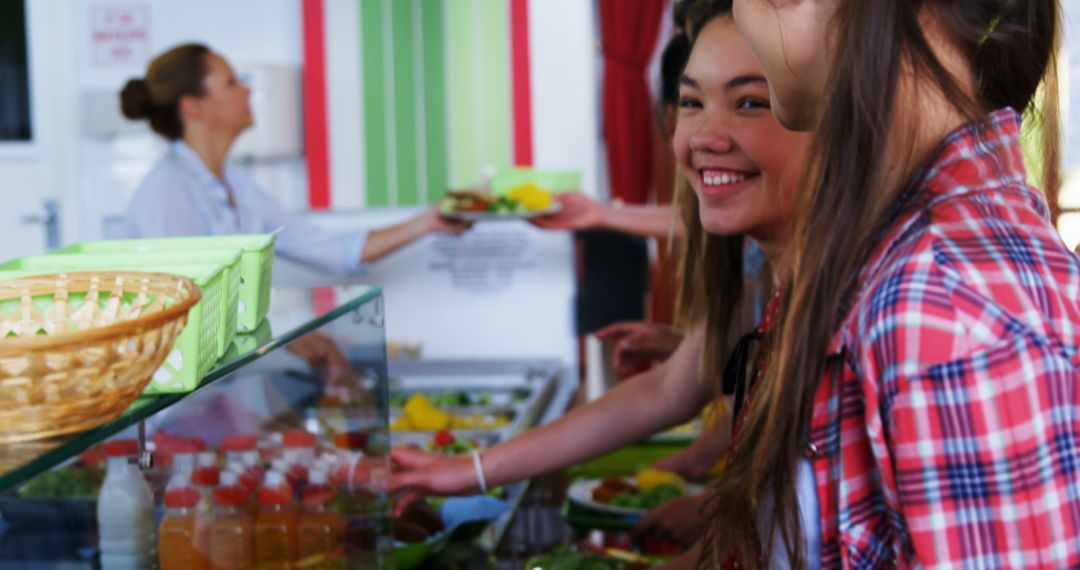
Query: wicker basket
(77, 349)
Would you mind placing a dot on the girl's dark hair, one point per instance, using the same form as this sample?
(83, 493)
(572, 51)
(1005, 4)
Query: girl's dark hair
(672, 64)
(1010, 45)
(172, 75)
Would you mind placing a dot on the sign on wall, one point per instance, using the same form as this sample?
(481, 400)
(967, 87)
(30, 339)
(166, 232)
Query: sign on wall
(120, 34)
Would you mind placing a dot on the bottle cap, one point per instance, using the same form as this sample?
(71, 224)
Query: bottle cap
(351, 440)
(240, 442)
(231, 496)
(181, 498)
(121, 448)
(275, 496)
(275, 489)
(299, 439)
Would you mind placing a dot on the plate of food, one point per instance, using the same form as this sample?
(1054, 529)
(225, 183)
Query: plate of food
(520, 203)
(630, 496)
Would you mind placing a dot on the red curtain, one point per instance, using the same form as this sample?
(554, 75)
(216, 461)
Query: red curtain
(628, 30)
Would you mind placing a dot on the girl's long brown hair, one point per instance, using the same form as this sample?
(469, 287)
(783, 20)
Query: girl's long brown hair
(1011, 47)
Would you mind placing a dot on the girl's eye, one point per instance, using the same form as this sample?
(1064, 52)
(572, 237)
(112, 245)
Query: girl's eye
(689, 103)
(751, 103)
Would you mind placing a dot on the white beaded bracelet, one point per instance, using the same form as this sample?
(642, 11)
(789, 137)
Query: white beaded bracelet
(479, 467)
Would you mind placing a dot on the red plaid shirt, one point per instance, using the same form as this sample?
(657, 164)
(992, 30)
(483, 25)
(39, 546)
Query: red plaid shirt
(946, 432)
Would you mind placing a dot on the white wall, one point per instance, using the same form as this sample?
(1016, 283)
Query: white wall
(442, 293)
(565, 88)
(1069, 224)
(244, 31)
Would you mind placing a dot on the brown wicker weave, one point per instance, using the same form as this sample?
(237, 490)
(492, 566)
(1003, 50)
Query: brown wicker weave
(66, 368)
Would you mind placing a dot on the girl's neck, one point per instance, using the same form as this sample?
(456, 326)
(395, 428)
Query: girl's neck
(924, 115)
(212, 148)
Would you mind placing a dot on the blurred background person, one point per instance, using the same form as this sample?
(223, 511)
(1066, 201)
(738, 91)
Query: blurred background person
(192, 97)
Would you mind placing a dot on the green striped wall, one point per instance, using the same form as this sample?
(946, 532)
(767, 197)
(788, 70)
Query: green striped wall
(436, 95)
(478, 52)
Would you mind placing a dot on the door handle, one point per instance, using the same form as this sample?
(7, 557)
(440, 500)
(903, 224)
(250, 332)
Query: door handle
(48, 216)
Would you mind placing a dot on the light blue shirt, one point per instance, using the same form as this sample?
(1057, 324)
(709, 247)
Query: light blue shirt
(181, 197)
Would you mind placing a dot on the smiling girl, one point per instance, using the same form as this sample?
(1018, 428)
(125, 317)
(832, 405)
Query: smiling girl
(741, 165)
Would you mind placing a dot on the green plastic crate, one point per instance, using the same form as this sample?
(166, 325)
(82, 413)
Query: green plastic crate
(552, 180)
(161, 261)
(256, 265)
(194, 351)
(244, 343)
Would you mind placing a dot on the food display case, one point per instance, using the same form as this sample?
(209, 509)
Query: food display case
(307, 382)
(268, 400)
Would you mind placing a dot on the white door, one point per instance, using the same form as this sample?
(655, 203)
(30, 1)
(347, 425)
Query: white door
(35, 173)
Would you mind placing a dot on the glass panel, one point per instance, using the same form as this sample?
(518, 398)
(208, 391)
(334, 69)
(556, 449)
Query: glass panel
(292, 314)
(299, 435)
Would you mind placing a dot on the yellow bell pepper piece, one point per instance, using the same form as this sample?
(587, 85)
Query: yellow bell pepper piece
(531, 196)
(652, 478)
(424, 416)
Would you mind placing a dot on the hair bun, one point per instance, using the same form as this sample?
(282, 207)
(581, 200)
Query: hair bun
(135, 99)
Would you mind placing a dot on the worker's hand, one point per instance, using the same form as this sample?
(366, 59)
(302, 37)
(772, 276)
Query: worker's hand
(322, 353)
(432, 473)
(435, 223)
(578, 212)
(637, 343)
(680, 520)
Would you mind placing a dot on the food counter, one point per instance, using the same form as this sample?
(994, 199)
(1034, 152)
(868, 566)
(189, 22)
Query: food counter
(303, 371)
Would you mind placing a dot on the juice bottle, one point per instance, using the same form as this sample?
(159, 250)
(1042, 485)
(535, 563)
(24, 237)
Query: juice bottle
(322, 531)
(299, 454)
(250, 486)
(177, 549)
(185, 452)
(205, 480)
(125, 511)
(231, 532)
(275, 527)
(362, 502)
(243, 449)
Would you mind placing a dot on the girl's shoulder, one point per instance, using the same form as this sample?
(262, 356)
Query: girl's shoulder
(975, 269)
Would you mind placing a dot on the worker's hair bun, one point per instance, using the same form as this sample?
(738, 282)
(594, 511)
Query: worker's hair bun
(135, 100)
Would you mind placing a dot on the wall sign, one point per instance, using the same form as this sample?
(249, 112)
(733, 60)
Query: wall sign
(120, 34)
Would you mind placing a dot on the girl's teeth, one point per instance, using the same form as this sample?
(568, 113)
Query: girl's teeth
(723, 179)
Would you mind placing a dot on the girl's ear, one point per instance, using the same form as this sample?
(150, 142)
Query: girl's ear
(190, 107)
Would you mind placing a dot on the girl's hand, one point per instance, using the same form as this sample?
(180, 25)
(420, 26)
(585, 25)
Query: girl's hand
(637, 343)
(578, 212)
(432, 473)
(685, 463)
(680, 520)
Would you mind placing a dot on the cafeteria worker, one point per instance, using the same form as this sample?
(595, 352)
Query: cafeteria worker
(192, 98)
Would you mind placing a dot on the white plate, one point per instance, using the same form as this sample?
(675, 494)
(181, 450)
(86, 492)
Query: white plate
(580, 492)
(500, 216)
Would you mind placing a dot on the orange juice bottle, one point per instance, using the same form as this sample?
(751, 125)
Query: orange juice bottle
(243, 449)
(177, 549)
(321, 530)
(275, 527)
(299, 454)
(231, 532)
